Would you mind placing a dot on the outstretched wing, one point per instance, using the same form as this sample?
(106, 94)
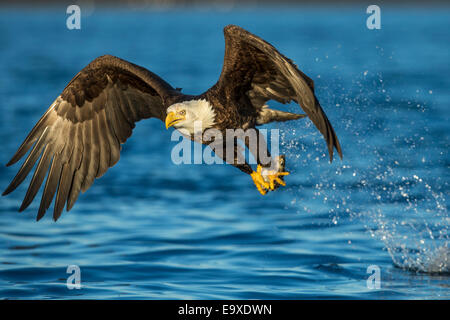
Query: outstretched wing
(253, 68)
(80, 135)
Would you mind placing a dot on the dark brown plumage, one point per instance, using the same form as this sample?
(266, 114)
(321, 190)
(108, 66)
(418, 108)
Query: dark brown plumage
(80, 135)
(254, 72)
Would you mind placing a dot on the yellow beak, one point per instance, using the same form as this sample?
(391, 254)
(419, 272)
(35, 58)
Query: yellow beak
(173, 118)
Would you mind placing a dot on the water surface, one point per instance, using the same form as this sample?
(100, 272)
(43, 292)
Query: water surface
(152, 229)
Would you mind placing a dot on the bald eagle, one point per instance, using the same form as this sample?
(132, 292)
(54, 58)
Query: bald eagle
(79, 137)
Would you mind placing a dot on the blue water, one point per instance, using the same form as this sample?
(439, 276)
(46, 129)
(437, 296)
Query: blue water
(152, 229)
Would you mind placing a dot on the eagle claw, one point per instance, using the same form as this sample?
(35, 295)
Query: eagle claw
(276, 178)
(265, 181)
(259, 181)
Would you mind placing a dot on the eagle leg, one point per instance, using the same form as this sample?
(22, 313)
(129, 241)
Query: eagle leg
(275, 176)
(259, 181)
(265, 179)
(270, 170)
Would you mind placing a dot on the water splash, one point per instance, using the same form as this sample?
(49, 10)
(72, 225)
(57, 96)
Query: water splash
(392, 163)
(419, 241)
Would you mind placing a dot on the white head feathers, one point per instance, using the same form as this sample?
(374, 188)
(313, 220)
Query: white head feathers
(200, 116)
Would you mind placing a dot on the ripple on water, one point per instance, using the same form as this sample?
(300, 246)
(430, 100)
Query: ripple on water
(152, 229)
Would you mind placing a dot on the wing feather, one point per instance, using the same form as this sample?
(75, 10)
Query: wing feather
(28, 164)
(125, 106)
(65, 181)
(38, 177)
(93, 156)
(121, 126)
(105, 152)
(76, 165)
(79, 137)
(50, 185)
(255, 67)
(46, 120)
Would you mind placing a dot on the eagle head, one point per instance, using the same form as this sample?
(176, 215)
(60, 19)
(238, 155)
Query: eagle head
(190, 116)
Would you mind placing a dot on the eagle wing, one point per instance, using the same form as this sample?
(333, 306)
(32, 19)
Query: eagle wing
(254, 69)
(79, 137)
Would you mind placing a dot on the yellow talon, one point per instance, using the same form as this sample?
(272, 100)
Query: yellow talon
(259, 181)
(275, 178)
(262, 184)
